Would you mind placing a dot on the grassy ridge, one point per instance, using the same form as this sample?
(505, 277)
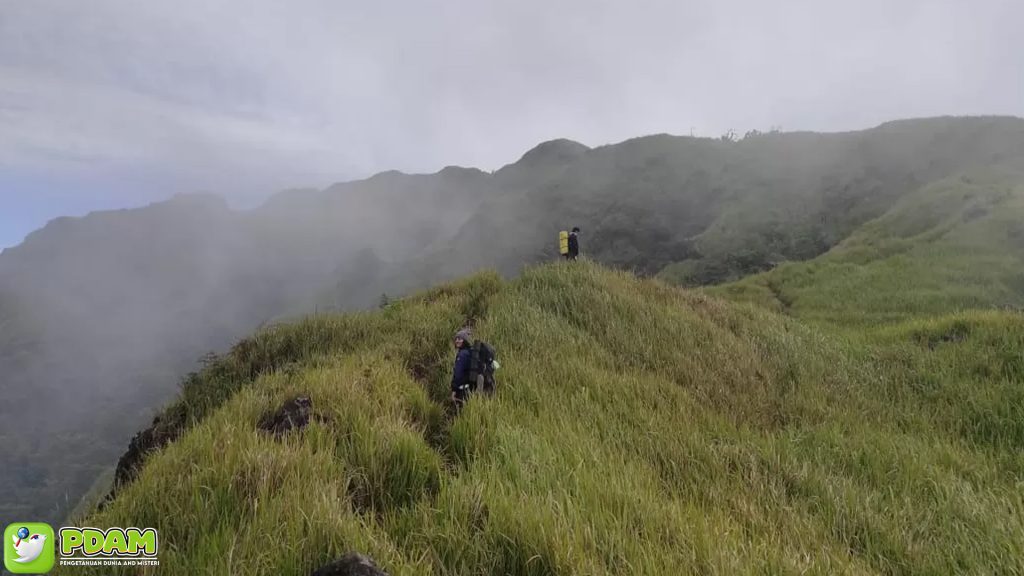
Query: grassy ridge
(931, 292)
(638, 429)
(955, 245)
(100, 315)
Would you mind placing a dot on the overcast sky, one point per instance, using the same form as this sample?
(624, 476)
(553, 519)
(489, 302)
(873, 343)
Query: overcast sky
(109, 103)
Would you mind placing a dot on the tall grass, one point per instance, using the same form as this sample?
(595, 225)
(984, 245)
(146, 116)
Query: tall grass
(953, 246)
(637, 429)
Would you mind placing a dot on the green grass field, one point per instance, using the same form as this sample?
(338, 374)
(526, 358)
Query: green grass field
(953, 246)
(638, 429)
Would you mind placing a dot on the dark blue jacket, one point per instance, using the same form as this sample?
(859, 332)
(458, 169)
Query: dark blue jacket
(460, 374)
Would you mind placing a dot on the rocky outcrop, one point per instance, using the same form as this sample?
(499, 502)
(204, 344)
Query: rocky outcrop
(351, 564)
(295, 414)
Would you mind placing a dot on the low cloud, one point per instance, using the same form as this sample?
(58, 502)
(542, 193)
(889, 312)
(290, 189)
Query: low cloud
(244, 97)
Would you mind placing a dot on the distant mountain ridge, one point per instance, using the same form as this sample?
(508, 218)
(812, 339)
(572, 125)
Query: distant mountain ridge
(103, 314)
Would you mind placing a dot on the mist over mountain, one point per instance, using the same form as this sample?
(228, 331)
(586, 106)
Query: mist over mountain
(101, 316)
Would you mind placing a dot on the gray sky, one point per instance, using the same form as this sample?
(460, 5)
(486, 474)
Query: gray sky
(108, 103)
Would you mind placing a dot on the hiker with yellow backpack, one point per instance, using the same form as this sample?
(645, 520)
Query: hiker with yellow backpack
(569, 243)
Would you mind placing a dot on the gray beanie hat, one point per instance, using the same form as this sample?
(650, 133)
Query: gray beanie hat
(464, 334)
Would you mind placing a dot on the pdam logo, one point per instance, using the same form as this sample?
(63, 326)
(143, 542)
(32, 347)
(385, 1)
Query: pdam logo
(110, 547)
(29, 548)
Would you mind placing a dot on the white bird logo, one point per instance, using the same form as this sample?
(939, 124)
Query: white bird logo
(29, 549)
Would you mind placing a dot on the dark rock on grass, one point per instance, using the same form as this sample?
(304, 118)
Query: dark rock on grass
(295, 414)
(351, 564)
(164, 429)
(955, 333)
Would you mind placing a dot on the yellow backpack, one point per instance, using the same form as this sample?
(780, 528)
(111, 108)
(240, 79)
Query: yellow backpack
(563, 242)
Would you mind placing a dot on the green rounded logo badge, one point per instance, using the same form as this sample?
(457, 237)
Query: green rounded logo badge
(29, 548)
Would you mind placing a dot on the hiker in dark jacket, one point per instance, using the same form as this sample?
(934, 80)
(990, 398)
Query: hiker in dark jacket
(460, 374)
(574, 244)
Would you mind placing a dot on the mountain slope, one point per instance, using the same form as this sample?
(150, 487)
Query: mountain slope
(638, 429)
(652, 201)
(118, 305)
(957, 244)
